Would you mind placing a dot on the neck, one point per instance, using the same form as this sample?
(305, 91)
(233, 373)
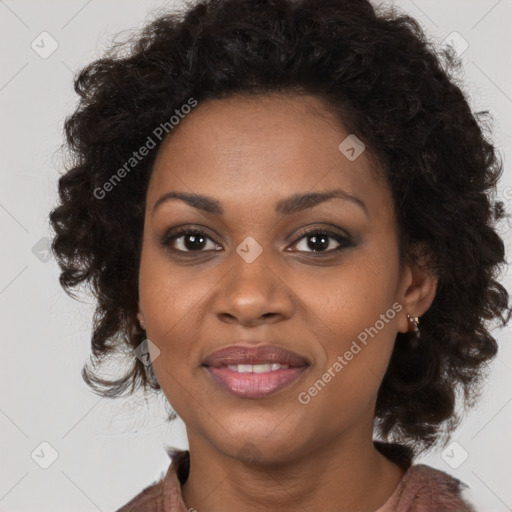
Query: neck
(344, 475)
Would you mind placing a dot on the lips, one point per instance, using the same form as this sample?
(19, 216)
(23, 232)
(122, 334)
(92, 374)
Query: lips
(254, 372)
(263, 354)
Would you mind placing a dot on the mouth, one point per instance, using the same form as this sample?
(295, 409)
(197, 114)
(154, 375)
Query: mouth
(255, 372)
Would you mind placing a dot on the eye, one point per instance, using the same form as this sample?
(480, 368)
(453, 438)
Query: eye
(321, 240)
(314, 240)
(189, 240)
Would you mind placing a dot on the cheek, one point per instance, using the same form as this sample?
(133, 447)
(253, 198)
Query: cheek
(174, 304)
(357, 330)
(168, 294)
(356, 311)
(165, 301)
(357, 346)
(170, 309)
(352, 296)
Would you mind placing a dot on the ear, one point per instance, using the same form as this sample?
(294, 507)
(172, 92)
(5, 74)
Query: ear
(417, 289)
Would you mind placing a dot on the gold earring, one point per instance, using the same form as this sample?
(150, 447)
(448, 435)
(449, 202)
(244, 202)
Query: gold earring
(414, 320)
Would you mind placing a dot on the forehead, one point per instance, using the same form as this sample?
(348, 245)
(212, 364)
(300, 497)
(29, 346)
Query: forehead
(254, 150)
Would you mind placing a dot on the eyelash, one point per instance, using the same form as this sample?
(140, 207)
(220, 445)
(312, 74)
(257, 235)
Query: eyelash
(343, 241)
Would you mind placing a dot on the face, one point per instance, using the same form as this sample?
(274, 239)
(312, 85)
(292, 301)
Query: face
(254, 265)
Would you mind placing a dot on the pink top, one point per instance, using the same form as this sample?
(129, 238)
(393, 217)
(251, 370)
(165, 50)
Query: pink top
(422, 489)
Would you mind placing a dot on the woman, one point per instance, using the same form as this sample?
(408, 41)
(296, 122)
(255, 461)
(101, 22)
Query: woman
(283, 208)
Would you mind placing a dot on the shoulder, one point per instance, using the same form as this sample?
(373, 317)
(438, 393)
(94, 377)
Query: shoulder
(425, 489)
(148, 500)
(164, 494)
(422, 488)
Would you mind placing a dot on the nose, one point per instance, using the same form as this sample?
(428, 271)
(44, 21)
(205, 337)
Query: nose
(252, 294)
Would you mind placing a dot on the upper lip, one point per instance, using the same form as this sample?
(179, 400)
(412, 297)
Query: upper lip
(261, 354)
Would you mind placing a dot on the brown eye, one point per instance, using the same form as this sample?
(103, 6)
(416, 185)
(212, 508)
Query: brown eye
(189, 240)
(320, 240)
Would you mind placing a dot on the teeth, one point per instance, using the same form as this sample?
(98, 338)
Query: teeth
(261, 368)
(256, 368)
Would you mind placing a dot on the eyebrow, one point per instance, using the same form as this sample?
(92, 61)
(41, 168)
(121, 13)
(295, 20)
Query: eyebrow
(287, 206)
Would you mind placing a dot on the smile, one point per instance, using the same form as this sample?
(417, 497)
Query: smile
(256, 368)
(254, 381)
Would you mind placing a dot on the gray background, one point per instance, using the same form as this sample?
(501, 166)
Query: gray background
(109, 450)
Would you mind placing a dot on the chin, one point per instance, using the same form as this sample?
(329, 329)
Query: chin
(257, 449)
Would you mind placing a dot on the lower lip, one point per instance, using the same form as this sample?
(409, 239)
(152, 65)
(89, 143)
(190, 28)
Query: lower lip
(254, 385)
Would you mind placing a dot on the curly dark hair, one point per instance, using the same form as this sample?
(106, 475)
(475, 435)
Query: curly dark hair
(389, 85)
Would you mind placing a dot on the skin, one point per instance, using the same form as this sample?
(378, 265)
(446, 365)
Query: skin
(275, 453)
